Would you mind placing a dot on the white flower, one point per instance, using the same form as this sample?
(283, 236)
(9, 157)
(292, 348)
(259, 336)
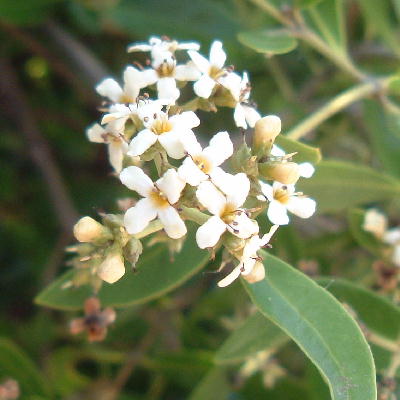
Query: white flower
(283, 198)
(161, 48)
(213, 71)
(167, 131)
(249, 257)
(227, 214)
(117, 146)
(392, 237)
(376, 223)
(244, 114)
(202, 164)
(165, 73)
(306, 169)
(133, 82)
(157, 202)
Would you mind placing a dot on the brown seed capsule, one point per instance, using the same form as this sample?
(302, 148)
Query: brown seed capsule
(257, 274)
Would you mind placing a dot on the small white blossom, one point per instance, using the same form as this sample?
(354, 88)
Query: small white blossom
(168, 131)
(203, 164)
(158, 201)
(117, 146)
(133, 82)
(249, 257)
(283, 198)
(213, 71)
(376, 223)
(306, 169)
(225, 207)
(392, 237)
(244, 114)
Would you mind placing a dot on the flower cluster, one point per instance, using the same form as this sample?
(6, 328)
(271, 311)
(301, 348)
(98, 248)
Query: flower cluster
(155, 149)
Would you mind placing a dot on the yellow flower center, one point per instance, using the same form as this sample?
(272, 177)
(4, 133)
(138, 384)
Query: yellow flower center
(166, 70)
(281, 195)
(229, 213)
(215, 72)
(203, 164)
(159, 199)
(161, 125)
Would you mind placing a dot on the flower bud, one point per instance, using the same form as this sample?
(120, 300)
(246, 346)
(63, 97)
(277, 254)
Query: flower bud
(257, 274)
(265, 132)
(89, 230)
(287, 172)
(112, 268)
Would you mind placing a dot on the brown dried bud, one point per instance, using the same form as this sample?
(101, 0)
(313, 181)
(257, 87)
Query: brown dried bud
(257, 274)
(287, 172)
(265, 132)
(112, 268)
(88, 230)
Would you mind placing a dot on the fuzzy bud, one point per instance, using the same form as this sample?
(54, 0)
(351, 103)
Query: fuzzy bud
(112, 268)
(287, 172)
(89, 230)
(257, 274)
(265, 132)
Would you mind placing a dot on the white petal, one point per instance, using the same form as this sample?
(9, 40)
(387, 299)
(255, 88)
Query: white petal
(220, 148)
(138, 217)
(252, 115)
(172, 144)
(95, 133)
(204, 86)
(267, 190)
(188, 46)
(172, 222)
(147, 110)
(392, 236)
(188, 72)
(231, 277)
(243, 226)
(166, 89)
(148, 77)
(190, 144)
(200, 61)
(187, 119)
(231, 81)
(211, 198)
(191, 173)
(116, 155)
(238, 189)
(277, 151)
(135, 179)
(110, 88)
(277, 213)
(306, 170)
(171, 185)
(209, 233)
(132, 81)
(303, 207)
(396, 256)
(267, 237)
(141, 142)
(239, 116)
(217, 54)
(139, 47)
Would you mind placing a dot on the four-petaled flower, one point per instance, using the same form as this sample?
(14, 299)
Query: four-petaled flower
(203, 164)
(95, 321)
(225, 207)
(283, 198)
(158, 201)
(168, 131)
(249, 257)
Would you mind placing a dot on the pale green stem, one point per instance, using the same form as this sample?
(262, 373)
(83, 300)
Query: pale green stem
(195, 215)
(337, 104)
(152, 227)
(382, 342)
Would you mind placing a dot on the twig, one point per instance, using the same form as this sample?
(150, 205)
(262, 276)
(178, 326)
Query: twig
(15, 103)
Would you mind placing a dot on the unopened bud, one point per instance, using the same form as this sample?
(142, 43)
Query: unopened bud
(89, 230)
(112, 268)
(265, 132)
(287, 172)
(257, 274)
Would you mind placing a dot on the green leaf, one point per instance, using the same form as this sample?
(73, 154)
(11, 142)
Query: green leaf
(364, 238)
(16, 365)
(304, 151)
(214, 386)
(384, 132)
(337, 185)
(306, 3)
(268, 41)
(376, 312)
(322, 328)
(257, 333)
(155, 277)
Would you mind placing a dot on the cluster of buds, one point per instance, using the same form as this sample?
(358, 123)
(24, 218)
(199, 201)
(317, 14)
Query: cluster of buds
(188, 181)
